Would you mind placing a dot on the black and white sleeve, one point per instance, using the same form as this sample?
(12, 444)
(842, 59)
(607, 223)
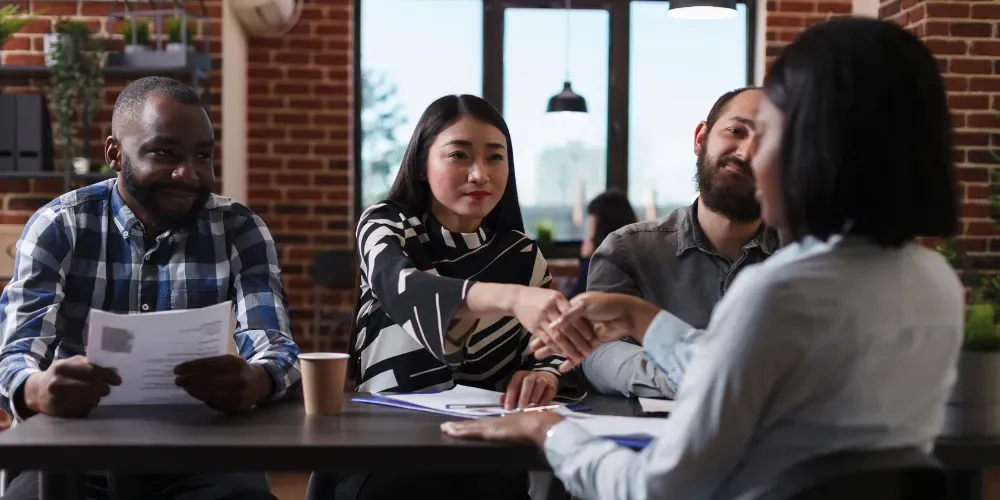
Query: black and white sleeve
(422, 302)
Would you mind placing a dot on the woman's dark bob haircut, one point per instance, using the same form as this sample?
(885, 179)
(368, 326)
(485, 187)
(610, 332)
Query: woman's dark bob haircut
(412, 191)
(867, 145)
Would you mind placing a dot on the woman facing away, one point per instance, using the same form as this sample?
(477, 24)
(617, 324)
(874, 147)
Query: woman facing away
(606, 213)
(451, 287)
(846, 339)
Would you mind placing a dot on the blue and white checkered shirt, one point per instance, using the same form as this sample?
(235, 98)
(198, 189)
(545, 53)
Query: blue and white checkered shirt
(86, 249)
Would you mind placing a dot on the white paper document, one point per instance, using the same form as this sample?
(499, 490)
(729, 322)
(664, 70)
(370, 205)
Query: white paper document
(460, 400)
(145, 348)
(651, 405)
(611, 426)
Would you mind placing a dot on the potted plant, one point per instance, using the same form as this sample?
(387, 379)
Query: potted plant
(11, 21)
(75, 83)
(136, 34)
(544, 234)
(974, 406)
(180, 34)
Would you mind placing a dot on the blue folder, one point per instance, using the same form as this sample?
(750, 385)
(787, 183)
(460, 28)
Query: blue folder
(380, 400)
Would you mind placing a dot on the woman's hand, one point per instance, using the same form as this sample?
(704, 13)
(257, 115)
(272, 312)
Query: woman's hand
(536, 308)
(527, 428)
(528, 387)
(611, 316)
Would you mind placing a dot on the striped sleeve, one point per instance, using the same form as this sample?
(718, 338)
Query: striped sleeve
(422, 302)
(540, 277)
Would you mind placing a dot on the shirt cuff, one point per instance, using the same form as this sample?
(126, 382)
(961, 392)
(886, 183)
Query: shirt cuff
(18, 385)
(280, 384)
(562, 441)
(660, 344)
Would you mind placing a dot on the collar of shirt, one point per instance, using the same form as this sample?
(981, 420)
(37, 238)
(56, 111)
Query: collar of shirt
(462, 241)
(691, 237)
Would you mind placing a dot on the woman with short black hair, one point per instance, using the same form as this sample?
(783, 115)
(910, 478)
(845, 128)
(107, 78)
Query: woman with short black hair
(846, 339)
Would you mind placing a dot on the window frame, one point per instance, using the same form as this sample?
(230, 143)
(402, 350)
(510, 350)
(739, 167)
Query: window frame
(619, 18)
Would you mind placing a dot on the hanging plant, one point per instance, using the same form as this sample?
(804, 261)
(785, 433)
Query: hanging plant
(75, 84)
(11, 21)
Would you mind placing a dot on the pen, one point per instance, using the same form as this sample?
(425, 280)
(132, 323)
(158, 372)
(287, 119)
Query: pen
(534, 408)
(473, 406)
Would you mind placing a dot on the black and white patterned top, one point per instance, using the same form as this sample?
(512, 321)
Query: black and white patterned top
(414, 277)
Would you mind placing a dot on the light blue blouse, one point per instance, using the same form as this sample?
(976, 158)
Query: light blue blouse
(823, 347)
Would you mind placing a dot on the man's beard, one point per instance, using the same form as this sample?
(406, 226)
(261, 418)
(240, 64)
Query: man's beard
(145, 195)
(729, 195)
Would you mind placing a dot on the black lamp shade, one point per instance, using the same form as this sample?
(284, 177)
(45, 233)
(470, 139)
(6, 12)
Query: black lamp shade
(567, 101)
(703, 8)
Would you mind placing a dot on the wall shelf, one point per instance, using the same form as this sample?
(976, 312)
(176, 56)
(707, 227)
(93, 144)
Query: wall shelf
(196, 73)
(90, 176)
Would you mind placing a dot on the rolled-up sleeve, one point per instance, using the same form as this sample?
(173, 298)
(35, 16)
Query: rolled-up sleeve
(621, 368)
(263, 334)
(29, 306)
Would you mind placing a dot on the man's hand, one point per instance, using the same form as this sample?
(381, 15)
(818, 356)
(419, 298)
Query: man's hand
(611, 316)
(69, 388)
(530, 388)
(536, 308)
(225, 383)
(527, 428)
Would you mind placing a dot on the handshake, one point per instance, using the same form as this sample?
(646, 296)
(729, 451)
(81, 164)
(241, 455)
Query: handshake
(592, 319)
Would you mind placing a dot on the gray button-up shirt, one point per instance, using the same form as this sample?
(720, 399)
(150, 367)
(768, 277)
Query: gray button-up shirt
(671, 263)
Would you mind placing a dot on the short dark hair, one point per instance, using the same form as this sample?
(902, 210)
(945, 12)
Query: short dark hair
(720, 105)
(613, 212)
(867, 139)
(410, 190)
(130, 102)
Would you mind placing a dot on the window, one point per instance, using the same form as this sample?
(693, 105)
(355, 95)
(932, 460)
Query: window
(406, 64)
(560, 161)
(677, 69)
(636, 136)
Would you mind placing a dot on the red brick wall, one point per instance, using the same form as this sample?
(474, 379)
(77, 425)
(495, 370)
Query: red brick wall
(787, 18)
(299, 133)
(964, 36)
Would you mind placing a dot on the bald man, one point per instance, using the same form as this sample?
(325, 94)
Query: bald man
(152, 239)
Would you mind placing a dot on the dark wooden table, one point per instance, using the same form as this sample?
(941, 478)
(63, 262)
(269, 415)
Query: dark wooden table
(186, 439)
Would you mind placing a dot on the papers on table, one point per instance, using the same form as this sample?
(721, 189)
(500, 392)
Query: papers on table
(650, 405)
(635, 432)
(145, 348)
(460, 401)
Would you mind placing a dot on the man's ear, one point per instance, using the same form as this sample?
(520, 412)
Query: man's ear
(113, 153)
(700, 134)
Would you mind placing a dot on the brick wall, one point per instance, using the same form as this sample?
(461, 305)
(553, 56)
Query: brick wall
(299, 150)
(787, 18)
(299, 133)
(964, 37)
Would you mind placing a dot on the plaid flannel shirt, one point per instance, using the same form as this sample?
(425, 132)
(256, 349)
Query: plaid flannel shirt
(86, 249)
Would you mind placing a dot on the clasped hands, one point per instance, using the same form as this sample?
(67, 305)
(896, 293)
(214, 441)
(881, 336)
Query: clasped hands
(589, 320)
(73, 387)
(592, 319)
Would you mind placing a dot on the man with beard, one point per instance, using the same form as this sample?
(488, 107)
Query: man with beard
(152, 239)
(685, 261)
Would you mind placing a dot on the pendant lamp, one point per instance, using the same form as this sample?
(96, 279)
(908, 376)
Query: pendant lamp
(567, 101)
(703, 9)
